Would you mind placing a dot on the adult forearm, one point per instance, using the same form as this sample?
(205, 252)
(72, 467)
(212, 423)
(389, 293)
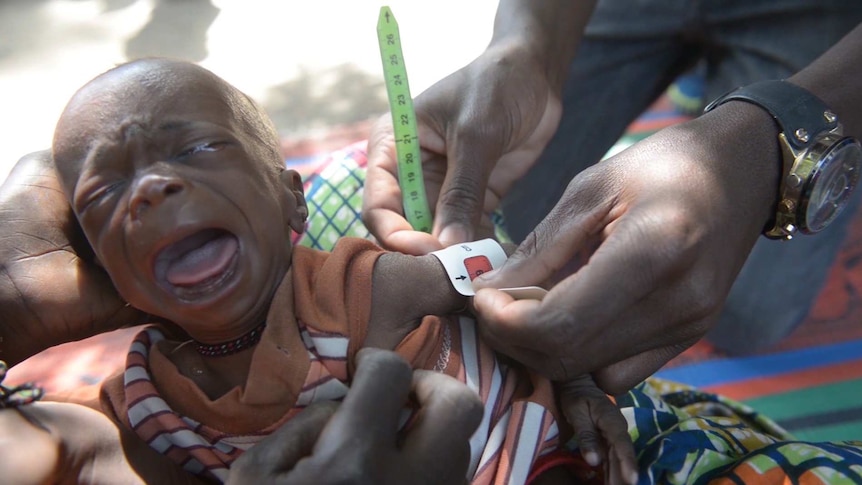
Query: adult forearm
(836, 78)
(549, 29)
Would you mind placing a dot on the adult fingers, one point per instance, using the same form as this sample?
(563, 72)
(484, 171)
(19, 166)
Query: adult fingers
(382, 210)
(282, 450)
(42, 242)
(437, 444)
(507, 323)
(623, 375)
(605, 312)
(646, 249)
(472, 151)
(371, 410)
(382, 203)
(582, 212)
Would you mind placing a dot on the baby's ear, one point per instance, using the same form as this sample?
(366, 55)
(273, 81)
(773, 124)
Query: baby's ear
(295, 207)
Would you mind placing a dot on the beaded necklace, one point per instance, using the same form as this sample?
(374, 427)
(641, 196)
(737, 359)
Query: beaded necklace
(236, 345)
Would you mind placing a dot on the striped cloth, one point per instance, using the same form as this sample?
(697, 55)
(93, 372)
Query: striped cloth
(332, 293)
(200, 450)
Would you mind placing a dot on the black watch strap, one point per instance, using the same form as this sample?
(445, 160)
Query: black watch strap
(800, 114)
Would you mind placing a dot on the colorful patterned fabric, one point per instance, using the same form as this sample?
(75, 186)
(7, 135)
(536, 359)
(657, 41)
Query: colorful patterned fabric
(814, 392)
(685, 436)
(334, 196)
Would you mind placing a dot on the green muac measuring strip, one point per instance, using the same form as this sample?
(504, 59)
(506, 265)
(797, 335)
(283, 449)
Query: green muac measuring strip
(404, 123)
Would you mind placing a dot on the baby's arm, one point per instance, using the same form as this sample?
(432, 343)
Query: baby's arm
(600, 429)
(404, 289)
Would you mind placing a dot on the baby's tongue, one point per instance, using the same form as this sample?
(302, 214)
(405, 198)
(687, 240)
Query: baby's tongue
(205, 261)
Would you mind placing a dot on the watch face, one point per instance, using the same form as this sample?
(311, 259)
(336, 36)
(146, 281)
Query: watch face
(831, 183)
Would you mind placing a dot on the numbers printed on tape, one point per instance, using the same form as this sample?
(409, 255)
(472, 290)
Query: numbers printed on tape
(410, 178)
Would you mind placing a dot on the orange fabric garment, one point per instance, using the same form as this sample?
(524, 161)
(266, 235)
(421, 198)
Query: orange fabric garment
(330, 292)
(317, 321)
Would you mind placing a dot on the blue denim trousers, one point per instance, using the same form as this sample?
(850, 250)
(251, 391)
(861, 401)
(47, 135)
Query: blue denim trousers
(631, 52)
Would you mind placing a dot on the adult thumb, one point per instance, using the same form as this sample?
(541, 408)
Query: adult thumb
(462, 195)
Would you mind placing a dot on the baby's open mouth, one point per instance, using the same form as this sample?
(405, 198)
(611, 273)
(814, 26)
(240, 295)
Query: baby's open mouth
(198, 262)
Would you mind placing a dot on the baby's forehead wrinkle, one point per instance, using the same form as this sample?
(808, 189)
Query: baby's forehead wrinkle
(174, 125)
(96, 150)
(101, 145)
(104, 142)
(141, 126)
(133, 128)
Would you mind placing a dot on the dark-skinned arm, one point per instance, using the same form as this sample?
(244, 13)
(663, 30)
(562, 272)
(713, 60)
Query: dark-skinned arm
(405, 289)
(65, 443)
(480, 128)
(50, 292)
(684, 207)
(549, 31)
(834, 78)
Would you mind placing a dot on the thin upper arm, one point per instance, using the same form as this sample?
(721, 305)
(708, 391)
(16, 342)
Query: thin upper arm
(405, 289)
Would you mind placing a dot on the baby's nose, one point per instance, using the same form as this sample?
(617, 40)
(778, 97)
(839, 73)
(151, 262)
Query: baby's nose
(151, 190)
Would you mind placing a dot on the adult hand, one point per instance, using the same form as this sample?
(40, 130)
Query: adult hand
(480, 129)
(49, 292)
(673, 219)
(64, 443)
(359, 441)
(599, 428)
(21, 440)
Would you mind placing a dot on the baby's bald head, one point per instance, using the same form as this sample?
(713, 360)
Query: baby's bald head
(136, 93)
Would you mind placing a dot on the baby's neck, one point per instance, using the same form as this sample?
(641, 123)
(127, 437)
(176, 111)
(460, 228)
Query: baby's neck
(215, 376)
(221, 374)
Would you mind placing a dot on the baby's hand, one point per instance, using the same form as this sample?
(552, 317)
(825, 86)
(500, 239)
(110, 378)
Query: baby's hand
(600, 429)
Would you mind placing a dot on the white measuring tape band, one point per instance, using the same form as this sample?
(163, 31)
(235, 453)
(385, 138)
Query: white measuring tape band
(466, 261)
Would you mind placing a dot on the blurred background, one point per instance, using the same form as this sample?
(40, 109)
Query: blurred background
(314, 65)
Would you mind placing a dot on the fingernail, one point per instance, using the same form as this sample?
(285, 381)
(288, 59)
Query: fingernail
(633, 478)
(484, 279)
(453, 234)
(592, 458)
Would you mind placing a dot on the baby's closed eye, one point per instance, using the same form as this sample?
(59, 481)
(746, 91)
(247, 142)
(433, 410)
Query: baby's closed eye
(202, 147)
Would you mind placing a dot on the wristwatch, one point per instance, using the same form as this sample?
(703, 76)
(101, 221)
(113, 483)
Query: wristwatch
(820, 166)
